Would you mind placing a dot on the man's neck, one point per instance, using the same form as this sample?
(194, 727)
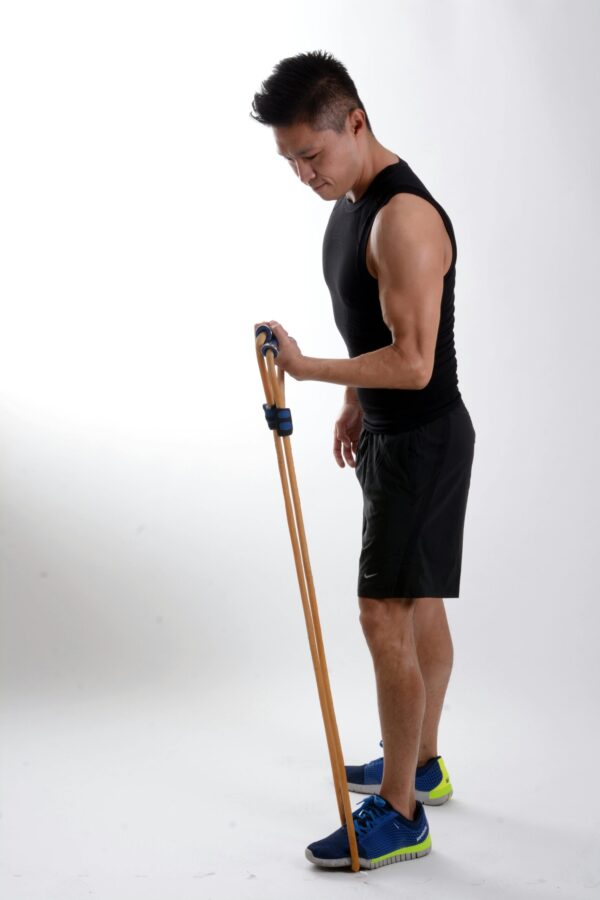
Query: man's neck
(377, 160)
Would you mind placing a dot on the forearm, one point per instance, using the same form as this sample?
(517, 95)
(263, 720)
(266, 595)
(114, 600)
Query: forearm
(388, 367)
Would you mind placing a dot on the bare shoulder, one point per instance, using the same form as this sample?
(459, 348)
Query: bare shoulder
(411, 222)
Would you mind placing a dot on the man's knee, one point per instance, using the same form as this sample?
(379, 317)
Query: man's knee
(386, 619)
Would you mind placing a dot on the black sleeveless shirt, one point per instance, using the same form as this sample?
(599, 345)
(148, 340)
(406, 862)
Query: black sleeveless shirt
(357, 310)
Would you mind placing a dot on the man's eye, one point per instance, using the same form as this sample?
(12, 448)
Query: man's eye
(314, 156)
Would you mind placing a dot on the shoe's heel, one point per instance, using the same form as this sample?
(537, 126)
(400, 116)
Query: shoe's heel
(441, 792)
(430, 800)
(432, 782)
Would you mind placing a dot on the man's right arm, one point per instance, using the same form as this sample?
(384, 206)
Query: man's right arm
(350, 395)
(347, 429)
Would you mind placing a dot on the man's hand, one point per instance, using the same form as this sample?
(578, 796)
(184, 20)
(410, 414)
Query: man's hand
(289, 357)
(347, 432)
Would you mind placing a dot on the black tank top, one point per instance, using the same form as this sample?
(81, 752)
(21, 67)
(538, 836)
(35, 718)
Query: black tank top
(357, 310)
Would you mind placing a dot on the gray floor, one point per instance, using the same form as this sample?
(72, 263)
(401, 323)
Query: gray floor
(215, 792)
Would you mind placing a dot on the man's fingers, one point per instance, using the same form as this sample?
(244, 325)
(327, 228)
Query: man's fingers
(336, 450)
(343, 448)
(348, 452)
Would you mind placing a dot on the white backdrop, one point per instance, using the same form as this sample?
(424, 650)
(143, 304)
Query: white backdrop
(161, 728)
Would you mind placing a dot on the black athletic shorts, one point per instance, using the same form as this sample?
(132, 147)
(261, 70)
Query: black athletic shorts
(415, 487)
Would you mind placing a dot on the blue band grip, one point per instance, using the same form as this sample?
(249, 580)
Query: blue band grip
(279, 418)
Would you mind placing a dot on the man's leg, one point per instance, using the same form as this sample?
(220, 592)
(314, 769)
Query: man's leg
(389, 630)
(436, 655)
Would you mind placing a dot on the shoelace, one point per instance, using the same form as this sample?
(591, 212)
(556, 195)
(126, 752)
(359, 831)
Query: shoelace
(367, 812)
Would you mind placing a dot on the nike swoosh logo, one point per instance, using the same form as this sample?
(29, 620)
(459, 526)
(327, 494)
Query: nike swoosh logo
(371, 576)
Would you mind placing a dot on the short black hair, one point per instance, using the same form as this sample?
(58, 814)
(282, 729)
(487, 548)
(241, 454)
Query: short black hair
(310, 88)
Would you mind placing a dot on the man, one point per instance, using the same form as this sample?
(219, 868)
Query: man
(389, 257)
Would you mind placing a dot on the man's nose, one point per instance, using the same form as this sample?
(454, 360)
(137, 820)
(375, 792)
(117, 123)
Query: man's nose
(305, 172)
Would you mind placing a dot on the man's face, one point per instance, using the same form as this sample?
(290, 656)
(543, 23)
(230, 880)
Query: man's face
(321, 159)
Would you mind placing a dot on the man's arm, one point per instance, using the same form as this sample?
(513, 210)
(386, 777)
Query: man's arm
(385, 368)
(408, 243)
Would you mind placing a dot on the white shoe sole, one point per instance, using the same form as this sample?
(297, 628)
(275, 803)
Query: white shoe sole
(364, 863)
(423, 796)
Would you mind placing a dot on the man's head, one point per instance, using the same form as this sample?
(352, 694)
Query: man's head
(319, 122)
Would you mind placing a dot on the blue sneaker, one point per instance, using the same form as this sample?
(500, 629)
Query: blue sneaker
(432, 782)
(383, 836)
